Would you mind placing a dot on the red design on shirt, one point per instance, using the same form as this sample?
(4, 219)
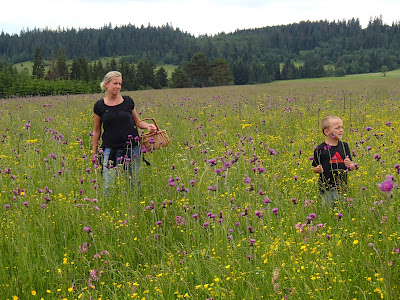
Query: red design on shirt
(336, 159)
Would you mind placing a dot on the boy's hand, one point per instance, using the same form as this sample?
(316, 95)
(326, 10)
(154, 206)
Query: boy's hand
(348, 163)
(318, 169)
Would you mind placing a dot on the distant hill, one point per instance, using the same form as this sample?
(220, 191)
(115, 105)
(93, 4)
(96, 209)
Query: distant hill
(332, 41)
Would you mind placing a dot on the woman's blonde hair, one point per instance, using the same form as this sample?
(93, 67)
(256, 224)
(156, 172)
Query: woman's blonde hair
(108, 77)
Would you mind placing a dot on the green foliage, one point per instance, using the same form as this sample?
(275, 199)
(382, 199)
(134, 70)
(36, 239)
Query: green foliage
(179, 79)
(38, 65)
(384, 70)
(340, 72)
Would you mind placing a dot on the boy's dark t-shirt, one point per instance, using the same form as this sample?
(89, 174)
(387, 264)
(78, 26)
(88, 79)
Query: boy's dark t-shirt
(117, 123)
(332, 160)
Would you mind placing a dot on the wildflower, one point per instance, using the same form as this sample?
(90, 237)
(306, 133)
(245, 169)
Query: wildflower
(377, 157)
(312, 216)
(26, 204)
(294, 200)
(252, 242)
(205, 225)
(387, 185)
(339, 216)
(180, 220)
(275, 211)
(87, 229)
(212, 162)
(159, 223)
(266, 200)
(7, 206)
(195, 216)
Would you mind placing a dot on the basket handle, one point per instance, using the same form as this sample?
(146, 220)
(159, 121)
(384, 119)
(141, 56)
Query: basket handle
(154, 121)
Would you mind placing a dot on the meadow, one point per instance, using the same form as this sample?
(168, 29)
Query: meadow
(229, 210)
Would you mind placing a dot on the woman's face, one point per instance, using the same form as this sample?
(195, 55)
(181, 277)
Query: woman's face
(114, 86)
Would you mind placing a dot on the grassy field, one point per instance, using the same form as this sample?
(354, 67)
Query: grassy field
(229, 210)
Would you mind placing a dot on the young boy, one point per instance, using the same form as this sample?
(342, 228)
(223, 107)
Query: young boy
(332, 160)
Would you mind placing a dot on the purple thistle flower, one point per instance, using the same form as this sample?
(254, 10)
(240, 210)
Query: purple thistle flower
(294, 200)
(252, 242)
(275, 210)
(26, 204)
(195, 216)
(7, 206)
(387, 185)
(212, 162)
(159, 223)
(271, 151)
(87, 229)
(339, 216)
(205, 225)
(312, 216)
(377, 157)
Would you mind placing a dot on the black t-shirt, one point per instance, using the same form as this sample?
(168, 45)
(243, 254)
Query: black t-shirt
(332, 160)
(117, 123)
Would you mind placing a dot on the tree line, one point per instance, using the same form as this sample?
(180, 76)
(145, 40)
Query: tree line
(242, 57)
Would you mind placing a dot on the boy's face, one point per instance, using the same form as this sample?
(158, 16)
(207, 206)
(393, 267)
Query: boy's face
(335, 129)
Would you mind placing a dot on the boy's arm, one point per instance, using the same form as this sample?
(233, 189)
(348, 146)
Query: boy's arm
(318, 169)
(349, 163)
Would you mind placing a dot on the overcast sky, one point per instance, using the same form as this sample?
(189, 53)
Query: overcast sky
(195, 17)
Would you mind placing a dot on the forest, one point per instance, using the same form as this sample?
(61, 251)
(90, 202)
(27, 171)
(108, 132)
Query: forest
(249, 56)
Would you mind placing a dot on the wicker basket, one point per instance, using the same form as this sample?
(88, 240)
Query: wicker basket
(155, 140)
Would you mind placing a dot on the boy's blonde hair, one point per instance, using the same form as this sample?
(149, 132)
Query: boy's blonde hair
(326, 122)
(108, 77)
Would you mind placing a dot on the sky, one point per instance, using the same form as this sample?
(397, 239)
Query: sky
(195, 17)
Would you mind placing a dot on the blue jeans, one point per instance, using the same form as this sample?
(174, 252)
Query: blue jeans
(331, 197)
(127, 160)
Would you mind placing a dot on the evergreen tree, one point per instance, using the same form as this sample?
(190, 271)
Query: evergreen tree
(220, 72)
(38, 65)
(61, 65)
(289, 71)
(52, 73)
(146, 70)
(75, 72)
(179, 79)
(162, 77)
(84, 68)
(198, 70)
(240, 72)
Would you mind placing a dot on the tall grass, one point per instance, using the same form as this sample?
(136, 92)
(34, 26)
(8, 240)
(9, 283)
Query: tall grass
(223, 212)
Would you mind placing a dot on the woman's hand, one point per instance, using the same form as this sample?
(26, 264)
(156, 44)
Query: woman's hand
(152, 128)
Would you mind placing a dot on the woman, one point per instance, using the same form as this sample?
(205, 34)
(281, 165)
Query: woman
(119, 119)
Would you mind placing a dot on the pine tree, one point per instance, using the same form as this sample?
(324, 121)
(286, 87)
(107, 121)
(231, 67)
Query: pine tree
(162, 77)
(61, 65)
(38, 65)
